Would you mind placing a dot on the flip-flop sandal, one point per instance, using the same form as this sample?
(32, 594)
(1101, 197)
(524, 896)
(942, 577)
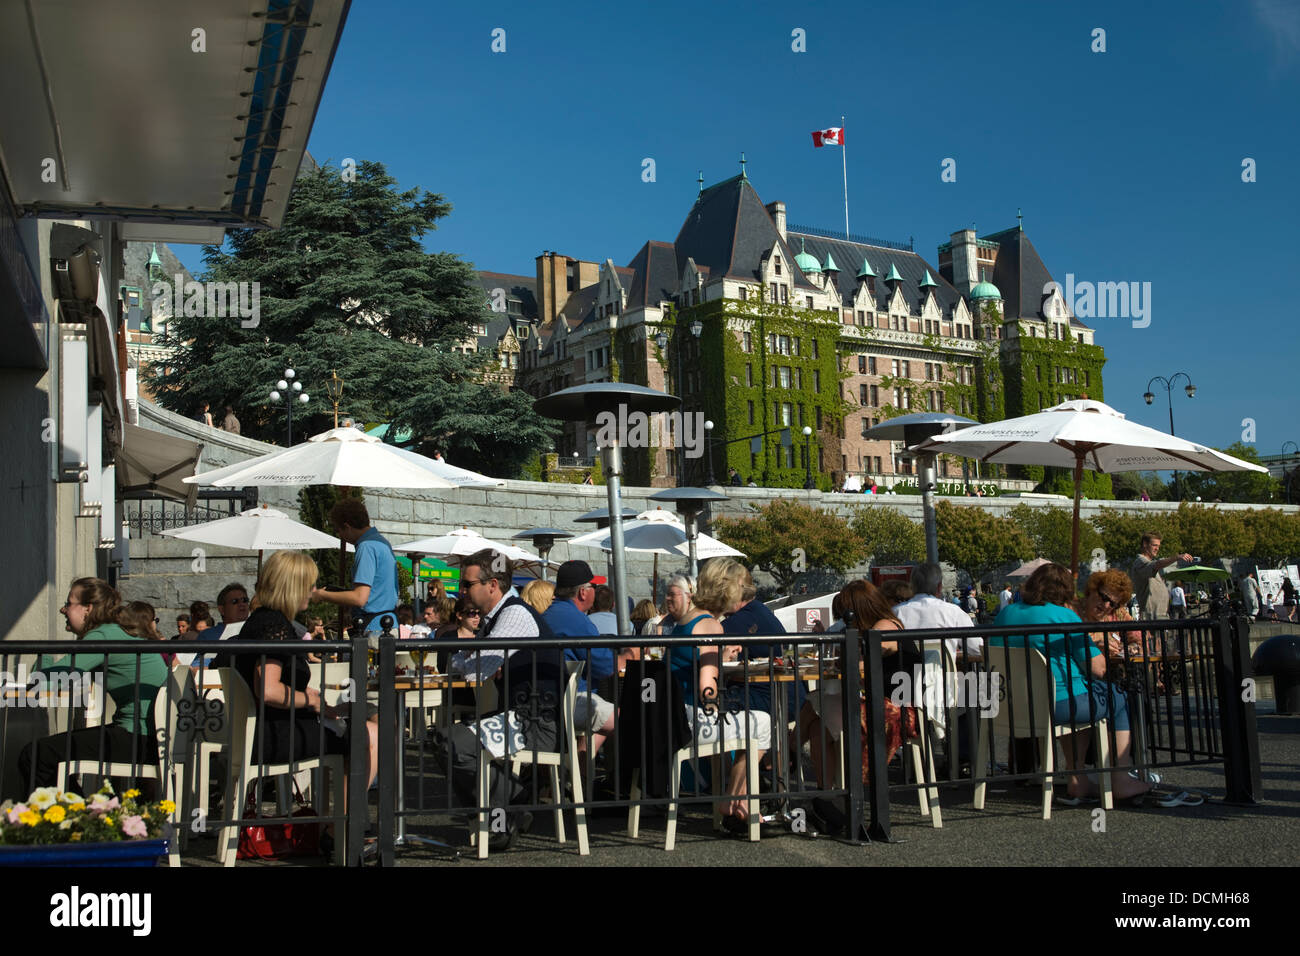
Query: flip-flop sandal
(1183, 798)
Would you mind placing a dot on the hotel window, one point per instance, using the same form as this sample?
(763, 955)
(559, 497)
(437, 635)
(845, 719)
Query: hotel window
(871, 364)
(1087, 378)
(749, 374)
(893, 367)
(776, 262)
(875, 396)
(862, 364)
(876, 466)
(751, 412)
(744, 294)
(798, 378)
(866, 426)
(817, 381)
(818, 412)
(773, 291)
(863, 396)
(907, 369)
(807, 301)
(785, 294)
(862, 317)
(796, 345)
(787, 413)
(814, 348)
(781, 344)
(801, 414)
(782, 377)
(747, 341)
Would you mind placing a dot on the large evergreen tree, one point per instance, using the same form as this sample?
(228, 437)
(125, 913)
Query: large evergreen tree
(345, 284)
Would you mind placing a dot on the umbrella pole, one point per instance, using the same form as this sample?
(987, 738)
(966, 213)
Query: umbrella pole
(654, 586)
(1074, 527)
(259, 568)
(415, 584)
(613, 464)
(544, 553)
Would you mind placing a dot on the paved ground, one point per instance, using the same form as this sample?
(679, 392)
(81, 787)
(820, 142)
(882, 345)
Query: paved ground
(1009, 832)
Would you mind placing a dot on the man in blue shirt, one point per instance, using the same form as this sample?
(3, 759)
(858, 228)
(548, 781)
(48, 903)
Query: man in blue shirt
(374, 568)
(567, 617)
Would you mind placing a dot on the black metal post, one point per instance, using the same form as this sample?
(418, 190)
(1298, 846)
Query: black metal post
(807, 454)
(358, 806)
(389, 755)
(1234, 677)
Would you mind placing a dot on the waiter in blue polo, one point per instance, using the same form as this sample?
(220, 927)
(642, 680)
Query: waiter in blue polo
(374, 569)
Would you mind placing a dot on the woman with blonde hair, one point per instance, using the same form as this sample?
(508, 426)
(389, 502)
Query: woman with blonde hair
(289, 710)
(698, 674)
(538, 595)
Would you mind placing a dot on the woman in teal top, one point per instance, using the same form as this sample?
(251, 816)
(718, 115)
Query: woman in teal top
(696, 671)
(93, 612)
(1081, 697)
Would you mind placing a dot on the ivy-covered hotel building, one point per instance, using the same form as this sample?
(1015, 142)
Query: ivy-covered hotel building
(765, 326)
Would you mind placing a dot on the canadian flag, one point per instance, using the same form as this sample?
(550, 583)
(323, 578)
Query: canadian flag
(829, 137)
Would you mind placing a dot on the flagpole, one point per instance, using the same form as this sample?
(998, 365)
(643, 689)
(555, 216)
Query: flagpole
(845, 161)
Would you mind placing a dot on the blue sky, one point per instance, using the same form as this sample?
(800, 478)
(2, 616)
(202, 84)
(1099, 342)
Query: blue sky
(1127, 163)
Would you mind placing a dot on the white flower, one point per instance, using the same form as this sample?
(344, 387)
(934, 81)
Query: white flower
(71, 798)
(43, 797)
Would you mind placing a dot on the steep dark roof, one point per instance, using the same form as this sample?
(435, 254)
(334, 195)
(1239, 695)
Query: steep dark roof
(654, 278)
(1021, 276)
(580, 305)
(729, 231)
(849, 255)
(523, 288)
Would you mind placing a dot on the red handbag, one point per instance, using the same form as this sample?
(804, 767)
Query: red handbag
(275, 841)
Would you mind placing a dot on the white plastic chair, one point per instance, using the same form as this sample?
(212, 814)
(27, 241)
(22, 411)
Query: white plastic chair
(1019, 670)
(567, 754)
(168, 765)
(241, 716)
(716, 750)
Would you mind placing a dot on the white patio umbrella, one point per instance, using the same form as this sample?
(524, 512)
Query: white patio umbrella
(257, 529)
(1078, 434)
(461, 543)
(340, 456)
(657, 532)
(1028, 568)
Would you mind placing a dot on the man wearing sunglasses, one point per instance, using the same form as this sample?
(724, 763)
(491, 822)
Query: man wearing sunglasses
(530, 687)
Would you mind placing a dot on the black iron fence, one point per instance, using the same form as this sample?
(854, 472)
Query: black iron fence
(470, 737)
(146, 514)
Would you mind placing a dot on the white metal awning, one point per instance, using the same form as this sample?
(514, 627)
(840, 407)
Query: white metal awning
(124, 110)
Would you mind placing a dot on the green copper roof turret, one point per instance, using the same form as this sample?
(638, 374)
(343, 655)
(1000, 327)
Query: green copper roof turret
(829, 265)
(928, 282)
(807, 263)
(893, 274)
(866, 270)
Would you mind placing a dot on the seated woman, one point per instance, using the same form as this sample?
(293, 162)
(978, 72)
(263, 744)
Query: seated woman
(1105, 599)
(697, 672)
(94, 613)
(289, 711)
(462, 622)
(824, 714)
(1076, 665)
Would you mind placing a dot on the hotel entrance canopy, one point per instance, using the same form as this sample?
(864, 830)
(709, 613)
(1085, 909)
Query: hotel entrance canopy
(181, 118)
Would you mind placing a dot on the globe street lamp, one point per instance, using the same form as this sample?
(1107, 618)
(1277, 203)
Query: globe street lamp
(1168, 384)
(286, 392)
(807, 455)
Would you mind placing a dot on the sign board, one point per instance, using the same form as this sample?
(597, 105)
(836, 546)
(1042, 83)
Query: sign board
(806, 617)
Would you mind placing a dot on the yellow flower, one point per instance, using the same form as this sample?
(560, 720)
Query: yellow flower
(29, 818)
(75, 838)
(55, 814)
(131, 794)
(76, 806)
(167, 807)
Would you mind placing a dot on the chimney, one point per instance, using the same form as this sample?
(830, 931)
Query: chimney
(965, 270)
(777, 211)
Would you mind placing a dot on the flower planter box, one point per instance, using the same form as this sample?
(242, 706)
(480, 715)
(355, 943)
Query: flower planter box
(118, 853)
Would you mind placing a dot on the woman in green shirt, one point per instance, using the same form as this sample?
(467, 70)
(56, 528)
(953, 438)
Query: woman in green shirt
(94, 613)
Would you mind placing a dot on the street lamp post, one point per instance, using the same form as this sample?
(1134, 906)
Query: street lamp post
(334, 388)
(283, 390)
(807, 456)
(708, 450)
(1168, 384)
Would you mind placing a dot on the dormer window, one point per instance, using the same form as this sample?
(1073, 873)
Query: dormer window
(776, 264)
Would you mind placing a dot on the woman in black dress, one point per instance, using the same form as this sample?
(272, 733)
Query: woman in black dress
(289, 711)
